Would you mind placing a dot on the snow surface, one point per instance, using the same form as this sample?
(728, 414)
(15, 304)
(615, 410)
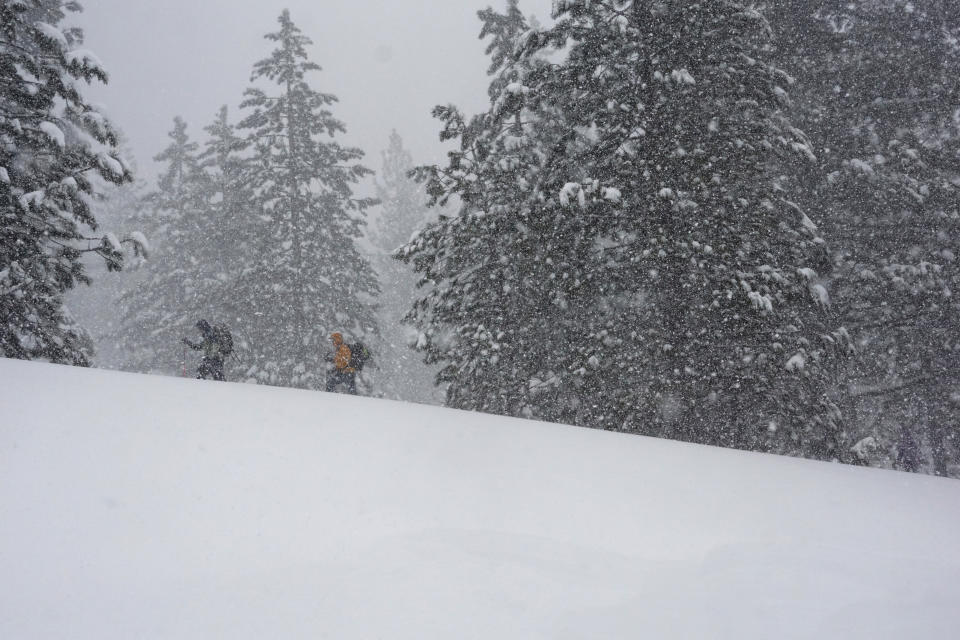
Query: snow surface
(148, 507)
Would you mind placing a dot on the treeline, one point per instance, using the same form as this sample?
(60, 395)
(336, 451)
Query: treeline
(726, 224)
(707, 221)
(258, 228)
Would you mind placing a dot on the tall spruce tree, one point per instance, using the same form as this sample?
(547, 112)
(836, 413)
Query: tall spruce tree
(629, 254)
(57, 153)
(879, 84)
(481, 267)
(401, 374)
(308, 279)
(230, 207)
(235, 235)
(173, 288)
(402, 199)
(207, 231)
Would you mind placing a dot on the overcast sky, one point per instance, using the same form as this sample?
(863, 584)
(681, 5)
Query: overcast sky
(389, 62)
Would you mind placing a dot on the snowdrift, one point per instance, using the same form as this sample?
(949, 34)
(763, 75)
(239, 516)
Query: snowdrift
(147, 507)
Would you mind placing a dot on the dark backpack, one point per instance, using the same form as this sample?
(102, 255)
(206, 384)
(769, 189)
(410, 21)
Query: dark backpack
(359, 354)
(224, 338)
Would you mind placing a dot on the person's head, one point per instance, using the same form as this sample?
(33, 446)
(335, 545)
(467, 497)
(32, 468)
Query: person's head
(336, 338)
(204, 326)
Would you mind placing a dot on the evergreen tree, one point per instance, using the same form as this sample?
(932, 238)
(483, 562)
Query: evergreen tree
(504, 31)
(403, 200)
(629, 254)
(57, 153)
(235, 237)
(230, 207)
(477, 275)
(308, 278)
(879, 84)
(402, 376)
(174, 287)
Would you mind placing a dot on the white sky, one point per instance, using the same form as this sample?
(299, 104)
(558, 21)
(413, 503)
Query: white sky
(389, 62)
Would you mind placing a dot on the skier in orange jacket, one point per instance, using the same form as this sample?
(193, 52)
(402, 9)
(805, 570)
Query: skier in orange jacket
(343, 372)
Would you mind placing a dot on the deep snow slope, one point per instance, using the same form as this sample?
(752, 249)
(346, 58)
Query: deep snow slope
(148, 507)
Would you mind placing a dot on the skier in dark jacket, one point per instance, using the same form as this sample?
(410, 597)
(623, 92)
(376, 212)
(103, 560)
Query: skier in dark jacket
(211, 367)
(343, 373)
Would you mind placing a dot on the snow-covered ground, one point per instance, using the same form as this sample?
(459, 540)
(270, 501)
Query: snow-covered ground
(148, 507)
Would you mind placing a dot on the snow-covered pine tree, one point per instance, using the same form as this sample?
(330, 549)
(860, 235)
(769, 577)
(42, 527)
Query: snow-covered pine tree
(504, 31)
(57, 153)
(401, 374)
(878, 87)
(175, 287)
(309, 278)
(403, 199)
(484, 314)
(634, 261)
(235, 237)
(229, 200)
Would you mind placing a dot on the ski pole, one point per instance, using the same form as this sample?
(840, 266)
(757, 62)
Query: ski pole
(243, 341)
